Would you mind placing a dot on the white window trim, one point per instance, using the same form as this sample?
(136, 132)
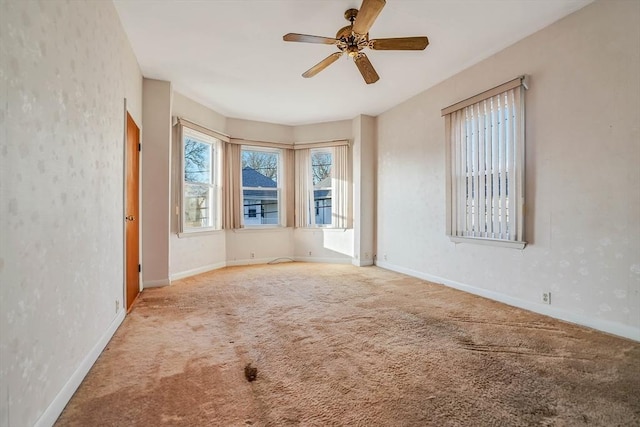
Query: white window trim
(312, 216)
(215, 185)
(278, 188)
(451, 197)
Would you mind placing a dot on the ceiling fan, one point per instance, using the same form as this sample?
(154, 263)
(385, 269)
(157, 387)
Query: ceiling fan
(353, 38)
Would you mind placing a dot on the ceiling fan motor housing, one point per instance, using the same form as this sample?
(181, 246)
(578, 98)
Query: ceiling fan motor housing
(350, 42)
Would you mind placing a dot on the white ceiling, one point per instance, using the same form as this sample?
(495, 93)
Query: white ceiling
(229, 54)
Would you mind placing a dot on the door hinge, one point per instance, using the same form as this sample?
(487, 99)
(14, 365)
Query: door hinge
(139, 268)
(139, 147)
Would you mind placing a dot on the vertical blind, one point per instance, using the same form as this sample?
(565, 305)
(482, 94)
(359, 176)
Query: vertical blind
(289, 187)
(303, 184)
(341, 182)
(232, 187)
(486, 151)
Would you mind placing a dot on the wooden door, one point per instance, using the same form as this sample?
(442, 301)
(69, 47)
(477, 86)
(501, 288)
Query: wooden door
(132, 212)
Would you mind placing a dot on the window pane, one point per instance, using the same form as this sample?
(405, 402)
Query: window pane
(322, 206)
(321, 168)
(260, 207)
(321, 163)
(263, 164)
(197, 161)
(198, 206)
(260, 193)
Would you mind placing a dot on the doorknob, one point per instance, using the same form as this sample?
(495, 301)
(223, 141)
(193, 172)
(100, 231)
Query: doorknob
(129, 218)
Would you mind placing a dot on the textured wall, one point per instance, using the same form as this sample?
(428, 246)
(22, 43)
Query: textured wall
(364, 184)
(156, 181)
(582, 183)
(65, 69)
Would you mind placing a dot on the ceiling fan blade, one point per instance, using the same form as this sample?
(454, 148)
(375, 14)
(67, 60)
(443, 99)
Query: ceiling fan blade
(367, 15)
(322, 65)
(366, 69)
(306, 38)
(400, 43)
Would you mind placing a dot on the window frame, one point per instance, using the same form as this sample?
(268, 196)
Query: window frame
(279, 186)
(312, 207)
(215, 194)
(455, 194)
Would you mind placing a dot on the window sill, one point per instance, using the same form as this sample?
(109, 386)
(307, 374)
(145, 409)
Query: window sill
(196, 233)
(260, 229)
(488, 242)
(332, 229)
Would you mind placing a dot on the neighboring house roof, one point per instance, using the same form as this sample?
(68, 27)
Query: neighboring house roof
(326, 182)
(253, 178)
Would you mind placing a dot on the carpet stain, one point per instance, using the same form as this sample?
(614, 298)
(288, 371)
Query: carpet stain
(341, 345)
(250, 372)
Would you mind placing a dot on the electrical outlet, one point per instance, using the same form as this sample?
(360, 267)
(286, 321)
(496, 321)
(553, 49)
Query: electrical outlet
(253, 255)
(385, 257)
(546, 297)
(117, 306)
(366, 255)
(309, 253)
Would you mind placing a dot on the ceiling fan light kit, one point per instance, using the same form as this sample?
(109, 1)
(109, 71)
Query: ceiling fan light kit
(354, 38)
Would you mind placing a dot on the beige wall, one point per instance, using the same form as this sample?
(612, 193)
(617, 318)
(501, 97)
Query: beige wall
(364, 181)
(65, 69)
(326, 131)
(582, 175)
(259, 131)
(156, 182)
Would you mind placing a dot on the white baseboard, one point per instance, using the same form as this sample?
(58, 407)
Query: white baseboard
(551, 311)
(251, 261)
(323, 260)
(53, 411)
(198, 270)
(155, 283)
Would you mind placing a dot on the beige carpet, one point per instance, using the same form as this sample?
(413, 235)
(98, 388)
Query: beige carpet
(340, 345)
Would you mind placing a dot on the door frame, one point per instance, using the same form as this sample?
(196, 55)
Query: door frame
(123, 306)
